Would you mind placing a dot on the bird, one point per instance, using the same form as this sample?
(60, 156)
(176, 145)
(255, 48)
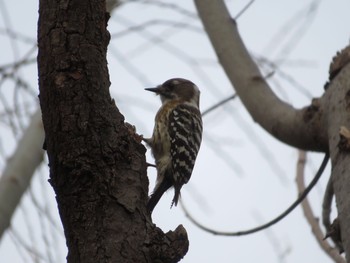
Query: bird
(176, 137)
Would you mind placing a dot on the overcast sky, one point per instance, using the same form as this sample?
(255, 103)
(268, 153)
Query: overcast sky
(243, 176)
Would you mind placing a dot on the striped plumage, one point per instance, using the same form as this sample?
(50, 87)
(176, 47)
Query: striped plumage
(176, 137)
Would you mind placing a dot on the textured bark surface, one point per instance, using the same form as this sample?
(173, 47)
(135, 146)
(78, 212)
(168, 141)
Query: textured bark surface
(337, 98)
(97, 163)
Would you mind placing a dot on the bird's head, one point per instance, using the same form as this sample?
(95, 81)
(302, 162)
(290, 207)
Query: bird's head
(177, 89)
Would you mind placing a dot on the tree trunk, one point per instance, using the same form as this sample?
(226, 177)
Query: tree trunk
(337, 101)
(97, 163)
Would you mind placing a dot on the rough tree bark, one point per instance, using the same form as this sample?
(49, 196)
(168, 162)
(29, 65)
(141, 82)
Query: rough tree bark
(315, 127)
(97, 163)
(20, 169)
(337, 103)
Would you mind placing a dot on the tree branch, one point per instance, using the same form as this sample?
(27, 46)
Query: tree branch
(316, 230)
(299, 128)
(20, 169)
(218, 104)
(273, 221)
(326, 205)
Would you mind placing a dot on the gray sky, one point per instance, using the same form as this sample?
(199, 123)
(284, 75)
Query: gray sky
(243, 176)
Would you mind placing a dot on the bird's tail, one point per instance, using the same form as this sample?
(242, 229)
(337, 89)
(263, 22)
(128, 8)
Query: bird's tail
(176, 196)
(157, 194)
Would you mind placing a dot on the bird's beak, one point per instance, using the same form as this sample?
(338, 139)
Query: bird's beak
(155, 90)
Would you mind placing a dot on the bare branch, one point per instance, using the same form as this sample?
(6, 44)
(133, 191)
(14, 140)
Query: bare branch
(311, 219)
(19, 170)
(155, 22)
(292, 32)
(326, 205)
(171, 6)
(272, 222)
(35, 254)
(299, 128)
(217, 105)
(245, 8)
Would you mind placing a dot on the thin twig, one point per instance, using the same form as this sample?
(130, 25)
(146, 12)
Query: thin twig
(272, 222)
(155, 22)
(245, 8)
(326, 205)
(217, 105)
(171, 6)
(326, 214)
(316, 230)
(35, 254)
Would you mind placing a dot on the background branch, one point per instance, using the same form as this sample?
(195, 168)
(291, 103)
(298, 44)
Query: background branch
(20, 169)
(311, 219)
(277, 117)
(301, 196)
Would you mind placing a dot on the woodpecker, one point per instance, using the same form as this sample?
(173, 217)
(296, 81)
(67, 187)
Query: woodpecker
(176, 138)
